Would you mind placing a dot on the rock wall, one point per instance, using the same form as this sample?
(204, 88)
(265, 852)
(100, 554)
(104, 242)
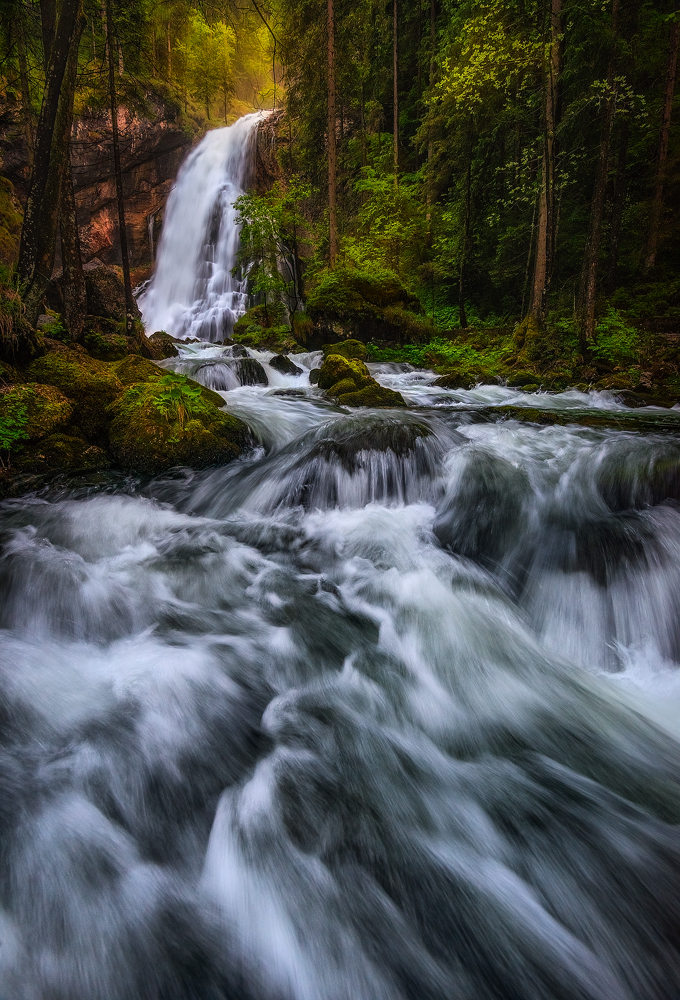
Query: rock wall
(152, 149)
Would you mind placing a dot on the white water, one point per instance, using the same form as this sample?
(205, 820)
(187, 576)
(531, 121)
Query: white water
(387, 710)
(193, 292)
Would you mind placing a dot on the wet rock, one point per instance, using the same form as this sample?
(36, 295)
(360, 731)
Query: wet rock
(631, 475)
(347, 349)
(43, 409)
(172, 422)
(62, 453)
(218, 375)
(314, 376)
(284, 365)
(483, 511)
(372, 395)
(249, 371)
(337, 369)
(239, 351)
(455, 380)
(106, 293)
(349, 437)
(90, 384)
(167, 345)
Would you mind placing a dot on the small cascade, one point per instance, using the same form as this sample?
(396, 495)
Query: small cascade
(193, 292)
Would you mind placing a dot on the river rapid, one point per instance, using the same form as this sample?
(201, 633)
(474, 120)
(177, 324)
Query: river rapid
(388, 709)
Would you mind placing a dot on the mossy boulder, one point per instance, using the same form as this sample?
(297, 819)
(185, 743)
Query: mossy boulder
(365, 304)
(347, 349)
(373, 395)
(106, 293)
(163, 345)
(157, 425)
(62, 453)
(460, 378)
(337, 369)
(349, 381)
(134, 368)
(43, 408)
(92, 385)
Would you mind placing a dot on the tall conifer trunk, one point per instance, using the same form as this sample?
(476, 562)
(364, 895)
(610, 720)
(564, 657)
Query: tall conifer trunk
(129, 300)
(591, 257)
(332, 154)
(395, 70)
(547, 209)
(657, 204)
(41, 217)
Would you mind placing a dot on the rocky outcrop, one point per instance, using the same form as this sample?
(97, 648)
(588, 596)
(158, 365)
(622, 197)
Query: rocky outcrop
(152, 149)
(270, 142)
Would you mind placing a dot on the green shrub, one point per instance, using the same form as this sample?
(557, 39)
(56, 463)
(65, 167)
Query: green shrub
(616, 340)
(13, 421)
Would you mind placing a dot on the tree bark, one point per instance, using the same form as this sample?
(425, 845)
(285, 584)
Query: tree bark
(618, 205)
(39, 229)
(547, 215)
(332, 154)
(591, 257)
(75, 298)
(129, 300)
(395, 70)
(48, 20)
(26, 116)
(657, 204)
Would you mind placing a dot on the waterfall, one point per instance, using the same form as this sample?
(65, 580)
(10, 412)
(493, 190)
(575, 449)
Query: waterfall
(193, 292)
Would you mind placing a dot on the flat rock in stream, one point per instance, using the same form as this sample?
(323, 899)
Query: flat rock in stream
(280, 363)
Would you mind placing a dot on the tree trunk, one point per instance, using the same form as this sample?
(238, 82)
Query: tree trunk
(395, 70)
(129, 301)
(657, 204)
(169, 54)
(618, 205)
(26, 123)
(332, 158)
(547, 216)
(39, 229)
(48, 20)
(462, 315)
(75, 299)
(591, 258)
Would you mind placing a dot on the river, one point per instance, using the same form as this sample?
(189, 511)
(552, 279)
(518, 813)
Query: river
(386, 710)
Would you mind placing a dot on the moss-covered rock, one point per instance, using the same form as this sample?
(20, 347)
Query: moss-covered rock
(44, 409)
(92, 385)
(157, 425)
(62, 453)
(347, 349)
(458, 379)
(106, 293)
(134, 368)
(344, 385)
(373, 395)
(338, 369)
(105, 346)
(165, 345)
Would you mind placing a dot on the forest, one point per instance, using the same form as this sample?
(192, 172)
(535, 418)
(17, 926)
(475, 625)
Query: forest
(489, 186)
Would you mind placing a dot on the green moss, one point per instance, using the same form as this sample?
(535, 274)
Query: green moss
(46, 408)
(347, 349)
(62, 453)
(336, 369)
(10, 222)
(344, 292)
(92, 385)
(105, 346)
(372, 395)
(158, 425)
(134, 368)
(344, 385)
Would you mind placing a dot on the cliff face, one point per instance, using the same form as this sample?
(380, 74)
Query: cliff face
(152, 149)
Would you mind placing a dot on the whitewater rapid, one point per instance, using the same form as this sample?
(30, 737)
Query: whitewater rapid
(387, 709)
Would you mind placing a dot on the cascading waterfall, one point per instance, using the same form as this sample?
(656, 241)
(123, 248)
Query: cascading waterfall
(193, 292)
(387, 710)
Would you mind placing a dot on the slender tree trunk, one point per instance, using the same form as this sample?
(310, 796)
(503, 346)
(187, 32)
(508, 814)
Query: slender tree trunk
(26, 123)
(618, 205)
(129, 301)
(48, 21)
(332, 155)
(153, 52)
(657, 204)
(462, 315)
(169, 54)
(591, 258)
(75, 298)
(395, 70)
(430, 137)
(545, 242)
(39, 230)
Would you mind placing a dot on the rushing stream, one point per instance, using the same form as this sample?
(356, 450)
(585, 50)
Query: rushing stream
(386, 710)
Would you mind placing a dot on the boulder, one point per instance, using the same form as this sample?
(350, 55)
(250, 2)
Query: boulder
(249, 371)
(284, 365)
(337, 369)
(349, 381)
(347, 349)
(166, 345)
(171, 422)
(62, 453)
(40, 409)
(106, 293)
(372, 395)
(90, 384)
